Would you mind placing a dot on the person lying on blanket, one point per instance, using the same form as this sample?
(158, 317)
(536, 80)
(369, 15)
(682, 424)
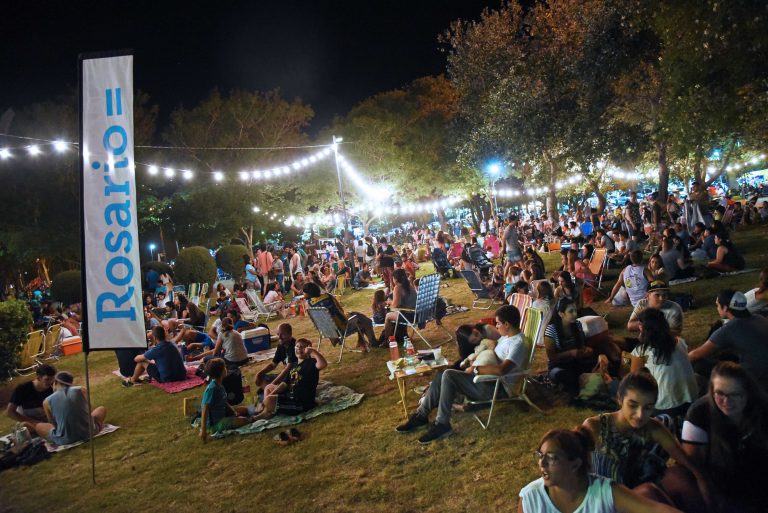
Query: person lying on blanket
(297, 394)
(217, 414)
(67, 413)
(162, 362)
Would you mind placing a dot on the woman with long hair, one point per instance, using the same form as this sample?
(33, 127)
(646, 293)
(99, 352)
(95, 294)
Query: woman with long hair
(726, 434)
(403, 296)
(565, 343)
(757, 298)
(567, 484)
(632, 448)
(666, 358)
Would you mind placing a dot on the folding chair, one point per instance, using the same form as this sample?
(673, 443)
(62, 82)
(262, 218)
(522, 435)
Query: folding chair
(326, 328)
(596, 267)
(522, 302)
(426, 298)
(341, 285)
(52, 342)
(245, 310)
(484, 300)
(32, 348)
(480, 261)
(260, 309)
(194, 293)
(515, 383)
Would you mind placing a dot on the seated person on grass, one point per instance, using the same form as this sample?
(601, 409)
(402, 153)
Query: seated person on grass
(192, 341)
(356, 321)
(67, 413)
(229, 345)
(217, 414)
(658, 291)
(26, 403)
(447, 385)
(632, 283)
(296, 394)
(162, 361)
(362, 278)
(285, 354)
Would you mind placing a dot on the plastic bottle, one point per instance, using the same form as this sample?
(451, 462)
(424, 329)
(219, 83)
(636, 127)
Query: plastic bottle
(409, 349)
(394, 352)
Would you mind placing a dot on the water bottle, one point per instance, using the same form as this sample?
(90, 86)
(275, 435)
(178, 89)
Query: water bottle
(409, 349)
(394, 352)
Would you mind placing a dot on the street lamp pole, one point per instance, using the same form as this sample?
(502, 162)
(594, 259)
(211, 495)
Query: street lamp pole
(336, 141)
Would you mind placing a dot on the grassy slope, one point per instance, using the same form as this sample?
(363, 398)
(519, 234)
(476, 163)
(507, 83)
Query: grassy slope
(351, 460)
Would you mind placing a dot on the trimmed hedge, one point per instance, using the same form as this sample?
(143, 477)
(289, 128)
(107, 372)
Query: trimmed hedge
(15, 319)
(194, 265)
(230, 260)
(67, 287)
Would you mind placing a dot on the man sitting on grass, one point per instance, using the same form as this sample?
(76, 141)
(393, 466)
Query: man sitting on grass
(217, 414)
(285, 354)
(296, 394)
(26, 403)
(162, 362)
(658, 291)
(362, 278)
(446, 386)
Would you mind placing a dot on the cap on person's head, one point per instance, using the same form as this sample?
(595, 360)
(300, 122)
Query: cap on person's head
(64, 378)
(735, 301)
(658, 286)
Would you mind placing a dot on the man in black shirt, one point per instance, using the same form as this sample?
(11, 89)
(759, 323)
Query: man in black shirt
(26, 404)
(297, 394)
(284, 354)
(386, 262)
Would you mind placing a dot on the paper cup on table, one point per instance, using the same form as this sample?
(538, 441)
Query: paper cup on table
(438, 353)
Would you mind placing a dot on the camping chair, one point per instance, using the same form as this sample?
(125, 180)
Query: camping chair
(483, 297)
(516, 382)
(32, 348)
(194, 293)
(52, 342)
(596, 266)
(522, 302)
(326, 328)
(259, 308)
(341, 285)
(426, 298)
(480, 260)
(245, 310)
(441, 263)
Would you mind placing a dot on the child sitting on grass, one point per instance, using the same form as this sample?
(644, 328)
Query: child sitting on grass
(217, 414)
(296, 394)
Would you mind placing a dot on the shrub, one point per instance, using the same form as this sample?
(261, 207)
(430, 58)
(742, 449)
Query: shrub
(194, 265)
(160, 267)
(230, 260)
(15, 320)
(67, 287)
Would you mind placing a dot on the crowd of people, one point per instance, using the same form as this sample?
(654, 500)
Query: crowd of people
(704, 408)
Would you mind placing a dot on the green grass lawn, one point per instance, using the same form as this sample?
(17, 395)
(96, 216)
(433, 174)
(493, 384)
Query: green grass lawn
(351, 461)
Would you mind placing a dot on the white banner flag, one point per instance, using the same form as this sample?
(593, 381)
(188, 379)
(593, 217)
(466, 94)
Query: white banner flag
(112, 276)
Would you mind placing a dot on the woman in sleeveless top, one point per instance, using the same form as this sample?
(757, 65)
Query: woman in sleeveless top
(727, 259)
(566, 484)
(632, 284)
(403, 296)
(67, 413)
(632, 448)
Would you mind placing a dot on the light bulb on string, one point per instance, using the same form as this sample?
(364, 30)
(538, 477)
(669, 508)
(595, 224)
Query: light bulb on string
(34, 150)
(187, 174)
(60, 146)
(5, 153)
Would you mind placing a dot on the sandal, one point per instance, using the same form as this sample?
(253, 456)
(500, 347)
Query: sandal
(294, 434)
(282, 438)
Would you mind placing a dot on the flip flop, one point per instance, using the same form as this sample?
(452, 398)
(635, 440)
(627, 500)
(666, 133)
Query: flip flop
(294, 434)
(282, 438)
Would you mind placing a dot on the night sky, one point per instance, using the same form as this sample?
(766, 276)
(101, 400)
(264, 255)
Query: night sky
(331, 54)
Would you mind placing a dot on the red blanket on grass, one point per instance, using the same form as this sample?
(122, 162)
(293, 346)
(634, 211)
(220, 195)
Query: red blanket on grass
(173, 387)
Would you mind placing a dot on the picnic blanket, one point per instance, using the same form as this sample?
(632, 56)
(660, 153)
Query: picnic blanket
(330, 399)
(52, 447)
(260, 356)
(694, 278)
(174, 387)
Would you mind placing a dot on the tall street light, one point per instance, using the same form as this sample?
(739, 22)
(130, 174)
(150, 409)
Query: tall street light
(152, 251)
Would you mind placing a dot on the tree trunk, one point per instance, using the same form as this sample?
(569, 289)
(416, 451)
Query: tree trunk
(661, 147)
(162, 241)
(248, 234)
(551, 203)
(443, 219)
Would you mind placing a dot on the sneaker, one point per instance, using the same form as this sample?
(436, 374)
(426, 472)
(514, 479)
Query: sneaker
(414, 421)
(127, 383)
(436, 432)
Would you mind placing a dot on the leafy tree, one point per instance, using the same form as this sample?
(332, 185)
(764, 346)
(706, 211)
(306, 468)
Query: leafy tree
(230, 260)
(67, 287)
(15, 318)
(195, 265)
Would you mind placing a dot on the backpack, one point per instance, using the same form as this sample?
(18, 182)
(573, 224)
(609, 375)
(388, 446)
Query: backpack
(369, 251)
(684, 300)
(233, 384)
